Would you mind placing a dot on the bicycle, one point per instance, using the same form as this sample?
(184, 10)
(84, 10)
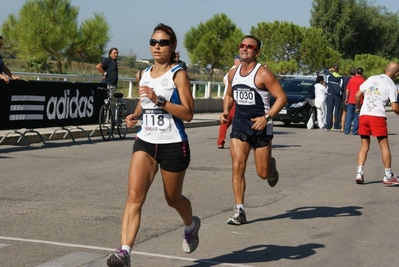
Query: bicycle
(112, 116)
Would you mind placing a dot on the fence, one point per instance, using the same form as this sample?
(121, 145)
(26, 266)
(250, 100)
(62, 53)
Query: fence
(200, 89)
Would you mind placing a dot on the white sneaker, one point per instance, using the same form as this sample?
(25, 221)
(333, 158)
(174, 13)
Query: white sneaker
(391, 180)
(238, 218)
(360, 178)
(191, 239)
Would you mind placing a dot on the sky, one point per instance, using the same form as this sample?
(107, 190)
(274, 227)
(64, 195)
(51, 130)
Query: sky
(132, 22)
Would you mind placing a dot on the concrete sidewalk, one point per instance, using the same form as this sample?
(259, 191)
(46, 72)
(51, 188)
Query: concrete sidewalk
(25, 137)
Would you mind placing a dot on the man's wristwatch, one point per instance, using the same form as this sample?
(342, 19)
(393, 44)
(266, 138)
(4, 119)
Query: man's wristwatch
(161, 101)
(267, 117)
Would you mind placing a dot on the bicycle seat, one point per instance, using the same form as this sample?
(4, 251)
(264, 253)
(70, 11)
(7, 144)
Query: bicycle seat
(118, 95)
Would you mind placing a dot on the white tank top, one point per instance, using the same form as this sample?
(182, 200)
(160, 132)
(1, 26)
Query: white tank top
(251, 102)
(158, 126)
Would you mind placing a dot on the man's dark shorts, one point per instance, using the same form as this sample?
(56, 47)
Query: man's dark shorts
(344, 106)
(255, 141)
(174, 157)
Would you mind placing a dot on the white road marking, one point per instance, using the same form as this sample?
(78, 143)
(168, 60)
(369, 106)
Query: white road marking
(111, 249)
(74, 259)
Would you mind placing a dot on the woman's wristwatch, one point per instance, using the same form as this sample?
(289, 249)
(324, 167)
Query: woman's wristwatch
(161, 100)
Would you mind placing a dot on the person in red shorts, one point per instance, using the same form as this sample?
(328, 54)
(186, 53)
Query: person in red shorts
(224, 126)
(376, 91)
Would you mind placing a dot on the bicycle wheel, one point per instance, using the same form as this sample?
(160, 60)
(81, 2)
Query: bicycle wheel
(106, 122)
(121, 126)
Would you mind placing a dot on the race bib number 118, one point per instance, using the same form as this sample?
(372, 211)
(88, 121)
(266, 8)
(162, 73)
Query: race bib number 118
(156, 121)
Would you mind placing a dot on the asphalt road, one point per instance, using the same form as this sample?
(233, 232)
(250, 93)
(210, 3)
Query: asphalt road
(61, 205)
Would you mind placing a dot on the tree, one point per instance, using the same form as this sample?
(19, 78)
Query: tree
(387, 28)
(9, 46)
(280, 40)
(284, 67)
(213, 43)
(335, 18)
(371, 64)
(90, 42)
(316, 52)
(47, 30)
(280, 44)
(355, 27)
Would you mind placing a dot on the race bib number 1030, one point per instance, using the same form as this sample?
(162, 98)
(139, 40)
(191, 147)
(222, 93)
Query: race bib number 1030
(244, 97)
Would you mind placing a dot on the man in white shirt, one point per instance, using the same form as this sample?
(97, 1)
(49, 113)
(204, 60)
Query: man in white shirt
(377, 90)
(320, 91)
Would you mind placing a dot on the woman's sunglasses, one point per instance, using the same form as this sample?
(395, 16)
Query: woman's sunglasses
(248, 46)
(161, 42)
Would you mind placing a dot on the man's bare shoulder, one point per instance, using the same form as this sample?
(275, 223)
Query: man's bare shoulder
(265, 76)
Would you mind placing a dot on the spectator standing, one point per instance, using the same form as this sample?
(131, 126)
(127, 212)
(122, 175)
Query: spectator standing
(377, 90)
(162, 143)
(344, 106)
(180, 62)
(334, 98)
(351, 90)
(108, 68)
(4, 69)
(224, 126)
(320, 101)
(250, 87)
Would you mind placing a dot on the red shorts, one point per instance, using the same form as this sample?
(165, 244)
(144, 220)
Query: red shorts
(372, 125)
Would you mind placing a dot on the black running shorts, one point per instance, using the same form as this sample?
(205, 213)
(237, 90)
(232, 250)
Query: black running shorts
(174, 157)
(255, 141)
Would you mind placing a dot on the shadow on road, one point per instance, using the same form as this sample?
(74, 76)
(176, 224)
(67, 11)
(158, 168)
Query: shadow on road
(314, 212)
(55, 144)
(261, 253)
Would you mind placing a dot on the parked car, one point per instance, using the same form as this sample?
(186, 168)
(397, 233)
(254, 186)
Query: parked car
(300, 101)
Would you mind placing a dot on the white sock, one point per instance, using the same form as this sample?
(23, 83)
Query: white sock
(238, 206)
(190, 227)
(360, 169)
(388, 172)
(127, 248)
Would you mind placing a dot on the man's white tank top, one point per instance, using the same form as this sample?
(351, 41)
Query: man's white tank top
(251, 102)
(159, 126)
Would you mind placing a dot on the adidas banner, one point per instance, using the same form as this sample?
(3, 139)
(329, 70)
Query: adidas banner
(41, 104)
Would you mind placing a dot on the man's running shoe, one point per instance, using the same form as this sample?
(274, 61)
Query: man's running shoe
(191, 239)
(238, 218)
(359, 178)
(120, 258)
(273, 179)
(391, 180)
